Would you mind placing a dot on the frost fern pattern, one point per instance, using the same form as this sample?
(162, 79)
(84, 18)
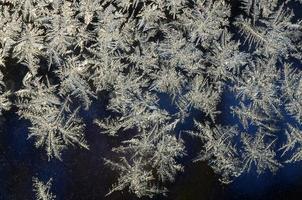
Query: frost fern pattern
(133, 54)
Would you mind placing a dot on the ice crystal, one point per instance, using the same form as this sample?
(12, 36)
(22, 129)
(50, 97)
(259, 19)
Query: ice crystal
(133, 55)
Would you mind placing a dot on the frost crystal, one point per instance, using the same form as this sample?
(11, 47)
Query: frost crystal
(54, 126)
(42, 190)
(154, 65)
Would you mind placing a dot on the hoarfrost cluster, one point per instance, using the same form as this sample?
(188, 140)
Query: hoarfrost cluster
(132, 54)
